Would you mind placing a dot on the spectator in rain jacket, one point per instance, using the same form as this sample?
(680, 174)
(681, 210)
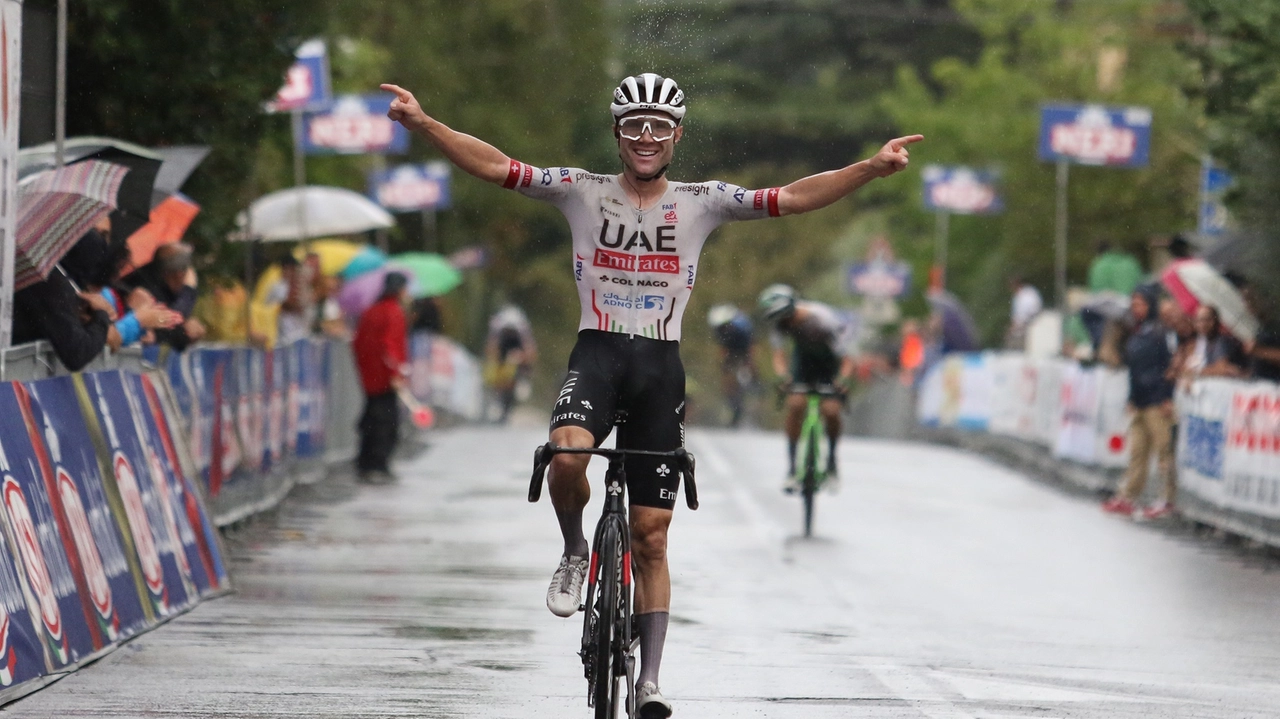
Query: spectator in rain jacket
(77, 324)
(168, 277)
(1147, 355)
(382, 355)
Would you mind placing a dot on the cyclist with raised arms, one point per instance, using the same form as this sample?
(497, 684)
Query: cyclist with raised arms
(822, 353)
(636, 242)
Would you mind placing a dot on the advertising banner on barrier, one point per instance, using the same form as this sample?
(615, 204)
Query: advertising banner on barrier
(102, 533)
(1077, 437)
(445, 376)
(166, 586)
(197, 553)
(1229, 447)
(69, 632)
(84, 498)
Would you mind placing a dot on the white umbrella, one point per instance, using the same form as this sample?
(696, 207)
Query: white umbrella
(301, 213)
(1212, 289)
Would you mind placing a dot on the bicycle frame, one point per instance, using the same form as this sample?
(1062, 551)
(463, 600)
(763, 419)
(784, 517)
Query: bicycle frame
(810, 443)
(609, 644)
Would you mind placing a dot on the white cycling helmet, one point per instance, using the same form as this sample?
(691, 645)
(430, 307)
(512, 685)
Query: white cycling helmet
(777, 301)
(648, 91)
(722, 314)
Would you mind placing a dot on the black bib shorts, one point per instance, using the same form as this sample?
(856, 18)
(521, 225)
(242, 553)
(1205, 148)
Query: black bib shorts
(611, 372)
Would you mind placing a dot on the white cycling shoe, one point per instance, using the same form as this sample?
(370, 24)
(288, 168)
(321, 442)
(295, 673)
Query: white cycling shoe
(564, 596)
(650, 704)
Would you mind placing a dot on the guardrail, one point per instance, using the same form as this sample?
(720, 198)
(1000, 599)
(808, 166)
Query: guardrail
(103, 528)
(1228, 449)
(113, 480)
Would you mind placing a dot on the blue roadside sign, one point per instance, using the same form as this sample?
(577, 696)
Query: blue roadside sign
(961, 191)
(1095, 135)
(879, 279)
(306, 83)
(1214, 182)
(411, 188)
(354, 125)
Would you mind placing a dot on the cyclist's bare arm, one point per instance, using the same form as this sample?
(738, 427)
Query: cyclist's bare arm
(818, 191)
(780, 367)
(473, 155)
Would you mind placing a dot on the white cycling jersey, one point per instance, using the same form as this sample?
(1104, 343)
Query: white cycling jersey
(635, 269)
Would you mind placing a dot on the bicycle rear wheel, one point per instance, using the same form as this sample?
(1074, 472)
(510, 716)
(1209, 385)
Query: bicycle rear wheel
(810, 486)
(607, 613)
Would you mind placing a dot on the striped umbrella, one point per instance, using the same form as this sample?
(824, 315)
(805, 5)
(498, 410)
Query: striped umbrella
(55, 209)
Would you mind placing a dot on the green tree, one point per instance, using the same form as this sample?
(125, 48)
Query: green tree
(1238, 50)
(170, 73)
(986, 114)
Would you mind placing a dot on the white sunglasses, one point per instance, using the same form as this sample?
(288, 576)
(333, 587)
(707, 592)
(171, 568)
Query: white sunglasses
(659, 128)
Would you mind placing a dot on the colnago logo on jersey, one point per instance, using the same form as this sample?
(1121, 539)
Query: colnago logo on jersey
(24, 529)
(95, 573)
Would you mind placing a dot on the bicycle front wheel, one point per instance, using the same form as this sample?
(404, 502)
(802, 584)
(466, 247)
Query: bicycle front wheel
(604, 685)
(809, 488)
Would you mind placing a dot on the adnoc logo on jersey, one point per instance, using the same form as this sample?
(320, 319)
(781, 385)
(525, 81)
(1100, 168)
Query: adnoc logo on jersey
(1095, 135)
(353, 125)
(960, 191)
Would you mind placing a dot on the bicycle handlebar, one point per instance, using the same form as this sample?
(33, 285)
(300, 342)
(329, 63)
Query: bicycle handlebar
(684, 460)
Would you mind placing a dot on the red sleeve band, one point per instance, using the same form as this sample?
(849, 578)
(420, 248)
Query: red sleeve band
(773, 202)
(513, 175)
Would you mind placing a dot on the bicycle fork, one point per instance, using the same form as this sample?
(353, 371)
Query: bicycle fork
(625, 644)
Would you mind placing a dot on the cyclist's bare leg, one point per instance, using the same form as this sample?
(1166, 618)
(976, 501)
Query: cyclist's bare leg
(796, 405)
(653, 585)
(830, 409)
(567, 485)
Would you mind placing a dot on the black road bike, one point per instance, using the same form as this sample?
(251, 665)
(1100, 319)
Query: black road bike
(608, 643)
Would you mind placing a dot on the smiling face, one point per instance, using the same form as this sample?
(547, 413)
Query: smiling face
(645, 157)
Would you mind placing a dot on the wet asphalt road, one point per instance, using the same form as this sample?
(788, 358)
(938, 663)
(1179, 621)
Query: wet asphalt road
(941, 586)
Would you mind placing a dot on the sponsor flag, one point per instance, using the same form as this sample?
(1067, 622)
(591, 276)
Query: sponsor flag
(354, 125)
(306, 83)
(961, 191)
(1095, 135)
(412, 188)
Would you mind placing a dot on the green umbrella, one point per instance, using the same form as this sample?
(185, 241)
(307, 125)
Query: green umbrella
(435, 275)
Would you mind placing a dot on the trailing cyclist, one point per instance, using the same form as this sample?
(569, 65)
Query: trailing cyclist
(636, 242)
(822, 354)
(734, 335)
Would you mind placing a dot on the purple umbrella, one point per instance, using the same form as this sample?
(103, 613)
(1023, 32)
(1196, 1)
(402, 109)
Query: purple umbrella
(359, 294)
(959, 333)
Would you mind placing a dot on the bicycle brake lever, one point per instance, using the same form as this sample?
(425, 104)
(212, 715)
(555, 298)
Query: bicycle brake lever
(541, 459)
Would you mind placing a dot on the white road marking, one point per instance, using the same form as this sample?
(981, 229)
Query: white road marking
(767, 530)
(915, 688)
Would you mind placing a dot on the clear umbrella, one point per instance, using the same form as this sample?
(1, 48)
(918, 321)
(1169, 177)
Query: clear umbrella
(302, 213)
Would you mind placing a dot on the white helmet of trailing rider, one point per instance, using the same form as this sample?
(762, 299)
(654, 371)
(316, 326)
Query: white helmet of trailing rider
(777, 301)
(648, 91)
(722, 314)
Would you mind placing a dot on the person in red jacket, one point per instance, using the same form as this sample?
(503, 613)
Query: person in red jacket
(382, 355)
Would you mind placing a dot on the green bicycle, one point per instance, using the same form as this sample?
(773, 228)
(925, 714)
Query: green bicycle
(811, 450)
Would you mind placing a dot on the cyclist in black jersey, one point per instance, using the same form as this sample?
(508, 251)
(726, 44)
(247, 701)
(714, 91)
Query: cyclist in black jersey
(636, 242)
(821, 354)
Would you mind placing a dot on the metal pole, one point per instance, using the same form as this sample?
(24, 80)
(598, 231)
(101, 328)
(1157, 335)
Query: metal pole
(942, 236)
(1060, 239)
(299, 169)
(60, 89)
(430, 240)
